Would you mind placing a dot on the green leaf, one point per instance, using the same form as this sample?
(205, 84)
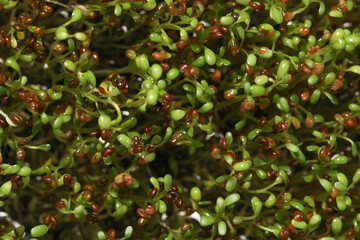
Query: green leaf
(309, 201)
(237, 220)
(297, 205)
(341, 160)
(299, 225)
(220, 204)
(128, 232)
(39, 230)
(231, 184)
(354, 69)
(5, 189)
(206, 220)
(256, 205)
(167, 182)
(242, 166)
(276, 14)
(341, 203)
(155, 182)
(222, 228)
(178, 114)
(356, 176)
(232, 198)
(292, 147)
(270, 201)
(308, 178)
(326, 184)
(336, 225)
(195, 194)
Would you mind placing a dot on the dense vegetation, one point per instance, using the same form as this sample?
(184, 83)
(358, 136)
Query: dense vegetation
(179, 119)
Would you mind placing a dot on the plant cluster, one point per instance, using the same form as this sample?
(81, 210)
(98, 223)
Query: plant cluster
(179, 119)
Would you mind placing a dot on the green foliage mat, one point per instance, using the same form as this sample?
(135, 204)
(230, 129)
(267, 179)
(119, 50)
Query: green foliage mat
(204, 119)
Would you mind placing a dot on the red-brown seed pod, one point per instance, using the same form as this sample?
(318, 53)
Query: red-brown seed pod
(15, 178)
(17, 119)
(38, 47)
(295, 123)
(60, 204)
(151, 149)
(185, 227)
(175, 138)
(214, 29)
(183, 67)
(229, 94)
(262, 121)
(189, 211)
(179, 202)
(336, 85)
(165, 67)
(249, 69)
(266, 72)
(92, 218)
(86, 196)
(174, 188)
(153, 192)
(263, 50)
(142, 222)
(105, 134)
(128, 179)
(282, 125)
(334, 192)
(166, 97)
(257, 6)
(323, 154)
(350, 122)
(148, 129)
(248, 105)
(23, 142)
(141, 213)
(108, 151)
(288, 16)
(282, 29)
(304, 96)
(47, 219)
(233, 47)
(119, 179)
(112, 75)
(95, 207)
(284, 235)
(265, 33)
(317, 68)
(224, 29)
(308, 216)
(194, 72)
(215, 21)
(20, 154)
(89, 187)
(215, 152)
(53, 221)
(150, 210)
(291, 228)
(169, 197)
(159, 56)
(303, 31)
(80, 152)
(216, 75)
(309, 122)
(350, 233)
(111, 233)
(297, 215)
(223, 143)
(199, 27)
